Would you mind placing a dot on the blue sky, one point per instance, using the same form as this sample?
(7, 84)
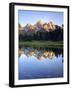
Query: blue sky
(31, 17)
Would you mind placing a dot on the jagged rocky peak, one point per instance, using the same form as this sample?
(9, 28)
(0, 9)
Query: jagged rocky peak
(40, 22)
(20, 27)
(50, 26)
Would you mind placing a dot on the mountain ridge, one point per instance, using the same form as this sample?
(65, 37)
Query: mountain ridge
(47, 27)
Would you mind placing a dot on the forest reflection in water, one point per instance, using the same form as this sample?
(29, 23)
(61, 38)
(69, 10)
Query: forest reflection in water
(40, 63)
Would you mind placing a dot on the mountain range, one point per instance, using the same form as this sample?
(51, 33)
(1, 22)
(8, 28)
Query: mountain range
(41, 31)
(40, 26)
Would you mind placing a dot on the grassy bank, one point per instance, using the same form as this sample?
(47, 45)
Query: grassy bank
(42, 44)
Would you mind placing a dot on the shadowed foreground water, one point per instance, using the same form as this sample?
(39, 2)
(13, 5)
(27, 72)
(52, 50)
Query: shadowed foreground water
(36, 64)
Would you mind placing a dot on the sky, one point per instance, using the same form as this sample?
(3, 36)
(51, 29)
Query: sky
(31, 17)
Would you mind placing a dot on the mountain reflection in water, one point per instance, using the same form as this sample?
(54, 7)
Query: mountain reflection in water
(40, 63)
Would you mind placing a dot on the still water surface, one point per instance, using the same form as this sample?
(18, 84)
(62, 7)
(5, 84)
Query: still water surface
(40, 63)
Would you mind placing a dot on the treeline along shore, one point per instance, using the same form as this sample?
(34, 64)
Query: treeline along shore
(48, 33)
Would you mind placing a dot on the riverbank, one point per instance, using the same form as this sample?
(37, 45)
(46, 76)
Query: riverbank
(41, 44)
